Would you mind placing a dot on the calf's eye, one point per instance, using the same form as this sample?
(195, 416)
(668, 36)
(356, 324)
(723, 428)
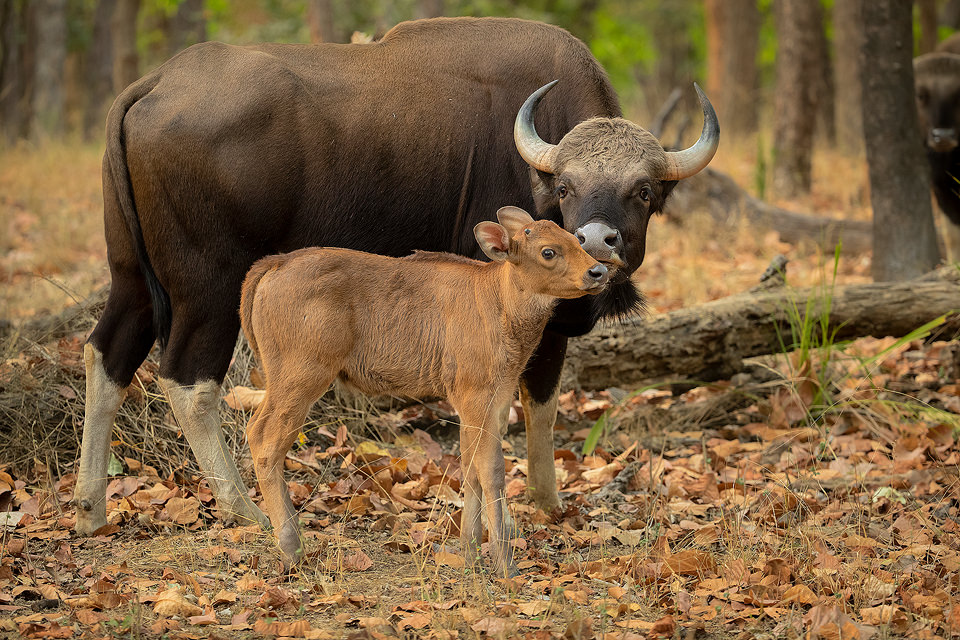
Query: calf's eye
(548, 254)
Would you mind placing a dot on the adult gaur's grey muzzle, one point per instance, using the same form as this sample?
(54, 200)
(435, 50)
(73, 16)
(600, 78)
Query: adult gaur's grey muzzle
(601, 242)
(942, 140)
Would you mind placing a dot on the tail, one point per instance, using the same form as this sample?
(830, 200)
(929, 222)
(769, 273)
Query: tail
(120, 173)
(249, 292)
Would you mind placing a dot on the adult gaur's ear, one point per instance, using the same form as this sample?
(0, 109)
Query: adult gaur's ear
(667, 186)
(514, 219)
(494, 240)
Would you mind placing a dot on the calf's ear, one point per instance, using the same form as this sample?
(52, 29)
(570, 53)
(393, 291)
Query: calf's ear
(494, 240)
(514, 219)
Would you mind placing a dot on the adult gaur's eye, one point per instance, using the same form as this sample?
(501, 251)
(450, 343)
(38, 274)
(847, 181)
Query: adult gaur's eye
(644, 194)
(562, 191)
(923, 96)
(548, 254)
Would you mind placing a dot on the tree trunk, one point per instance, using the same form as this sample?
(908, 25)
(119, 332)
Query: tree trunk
(904, 238)
(733, 30)
(187, 26)
(798, 22)
(847, 37)
(123, 32)
(824, 84)
(99, 71)
(48, 76)
(928, 25)
(13, 82)
(429, 8)
(710, 341)
(320, 21)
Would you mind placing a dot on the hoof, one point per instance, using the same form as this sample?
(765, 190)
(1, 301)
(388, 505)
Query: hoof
(246, 514)
(87, 520)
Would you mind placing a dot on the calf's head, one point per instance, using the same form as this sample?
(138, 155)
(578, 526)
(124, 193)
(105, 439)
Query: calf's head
(547, 259)
(608, 176)
(937, 83)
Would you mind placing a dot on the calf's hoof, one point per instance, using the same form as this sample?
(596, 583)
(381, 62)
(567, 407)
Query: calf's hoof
(291, 547)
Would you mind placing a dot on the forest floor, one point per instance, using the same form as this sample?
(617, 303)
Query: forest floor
(817, 495)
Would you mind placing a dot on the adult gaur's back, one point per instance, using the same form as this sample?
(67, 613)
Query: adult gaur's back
(225, 154)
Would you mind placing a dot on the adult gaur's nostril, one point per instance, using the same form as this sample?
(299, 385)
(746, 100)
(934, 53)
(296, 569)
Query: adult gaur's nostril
(612, 239)
(580, 237)
(597, 272)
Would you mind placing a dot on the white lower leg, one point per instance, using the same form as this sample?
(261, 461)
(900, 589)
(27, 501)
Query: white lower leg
(103, 398)
(197, 410)
(542, 475)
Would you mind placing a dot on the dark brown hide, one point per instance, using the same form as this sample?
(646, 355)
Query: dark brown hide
(937, 80)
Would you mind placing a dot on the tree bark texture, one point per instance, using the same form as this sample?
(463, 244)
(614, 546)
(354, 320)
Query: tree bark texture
(847, 36)
(904, 238)
(123, 32)
(733, 31)
(187, 26)
(321, 22)
(13, 81)
(724, 200)
(98, 71)
(48, 74)
(927, 10)
(710, 341)
(795, 104)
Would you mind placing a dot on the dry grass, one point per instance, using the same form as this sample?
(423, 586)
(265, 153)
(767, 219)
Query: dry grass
(52, 251)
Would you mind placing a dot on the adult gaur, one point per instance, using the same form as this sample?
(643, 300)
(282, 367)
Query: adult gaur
(225, 154)
(937, 82)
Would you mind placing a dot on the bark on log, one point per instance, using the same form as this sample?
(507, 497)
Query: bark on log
(724, 200)
(710, 341)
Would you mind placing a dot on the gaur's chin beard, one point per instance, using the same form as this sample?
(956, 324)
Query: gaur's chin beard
(619, 301)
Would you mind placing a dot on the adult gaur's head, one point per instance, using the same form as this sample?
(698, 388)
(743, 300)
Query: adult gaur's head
(937, 82)
(608, 177)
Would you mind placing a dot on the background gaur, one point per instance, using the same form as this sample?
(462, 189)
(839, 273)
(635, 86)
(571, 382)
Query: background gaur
(937, 79)
(225, 154)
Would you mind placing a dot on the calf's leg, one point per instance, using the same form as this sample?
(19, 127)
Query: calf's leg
(482, 461)
(270, 433)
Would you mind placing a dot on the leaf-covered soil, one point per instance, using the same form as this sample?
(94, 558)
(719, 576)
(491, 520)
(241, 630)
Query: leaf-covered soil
(812, 499)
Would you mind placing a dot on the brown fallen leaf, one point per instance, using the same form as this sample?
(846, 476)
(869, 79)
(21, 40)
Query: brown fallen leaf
(173, 603)
(183, 510)
(800, 594)
(358, 561)
(202, 620)
(447, 559)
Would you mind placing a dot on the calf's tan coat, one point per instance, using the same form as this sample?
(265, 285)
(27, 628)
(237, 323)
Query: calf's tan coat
(426, 325)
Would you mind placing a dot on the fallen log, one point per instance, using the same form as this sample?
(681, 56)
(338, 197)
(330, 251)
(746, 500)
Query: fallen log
(721, 197)
(710, 341)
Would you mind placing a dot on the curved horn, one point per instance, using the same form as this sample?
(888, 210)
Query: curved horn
(683, 164)
(537, 153)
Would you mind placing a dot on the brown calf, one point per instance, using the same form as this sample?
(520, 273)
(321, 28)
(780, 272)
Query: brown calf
(431, 324)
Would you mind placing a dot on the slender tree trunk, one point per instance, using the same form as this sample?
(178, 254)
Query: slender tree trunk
(798, 22)
(928, 25)
(733, 30)
(99, 70)
(321, 22)
(847, 38)
(904, 239)
(48, 78)
(824, 84)
(188, 26)
(429, 8)
(123, 31)
(13, 84)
